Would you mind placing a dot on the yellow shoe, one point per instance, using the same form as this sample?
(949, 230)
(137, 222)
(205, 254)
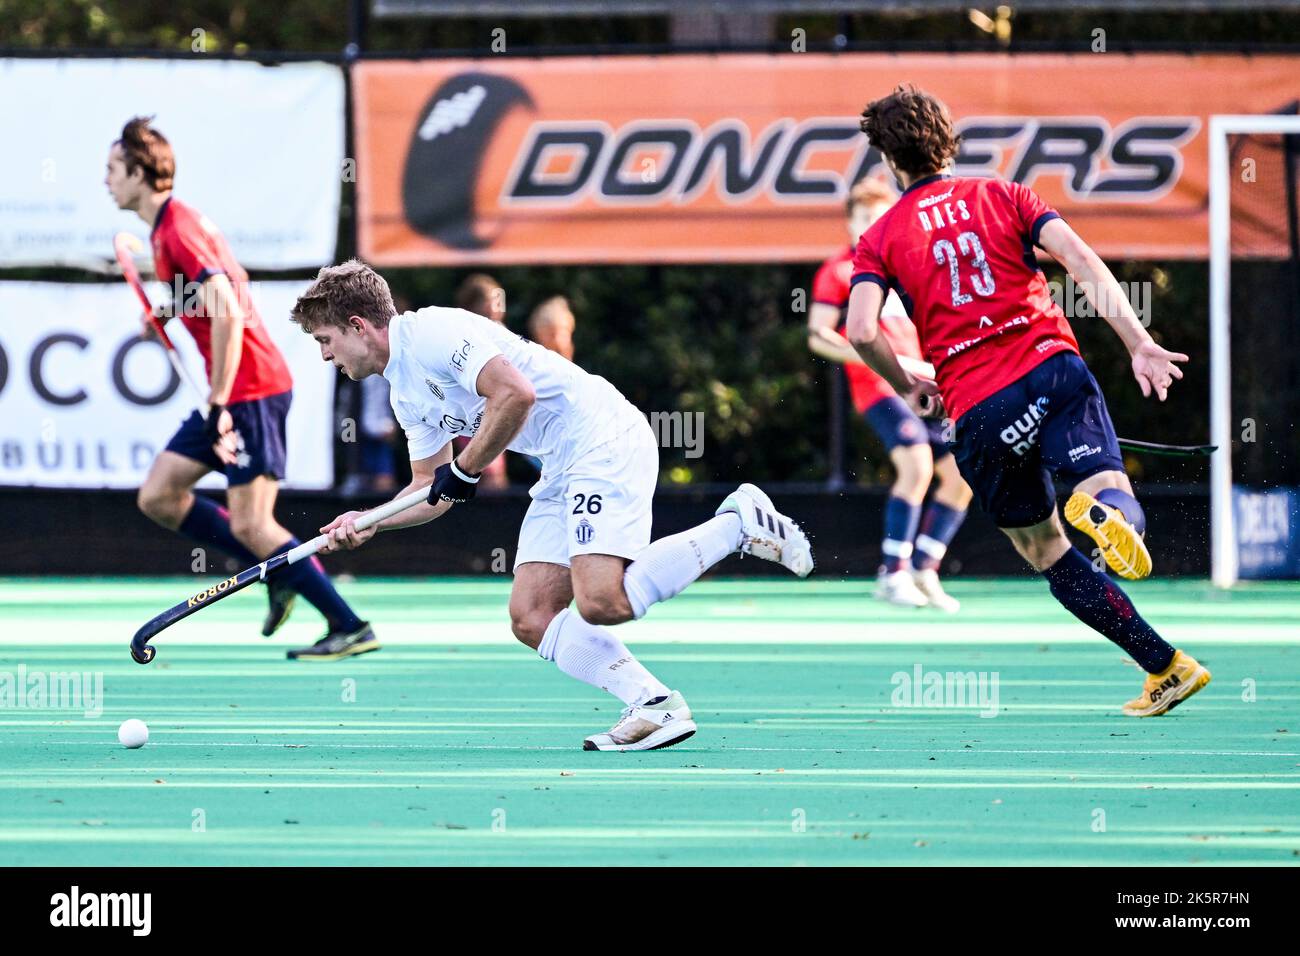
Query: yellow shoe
(1166, 690)
(1121, 545)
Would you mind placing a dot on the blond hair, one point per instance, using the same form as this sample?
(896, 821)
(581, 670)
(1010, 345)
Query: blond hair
(342, 291)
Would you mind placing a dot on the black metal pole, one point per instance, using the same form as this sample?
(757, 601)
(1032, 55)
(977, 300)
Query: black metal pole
(358, 20)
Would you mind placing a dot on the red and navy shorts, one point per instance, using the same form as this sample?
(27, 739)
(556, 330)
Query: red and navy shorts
(260, 445)
(1050, 423)
(898, 426)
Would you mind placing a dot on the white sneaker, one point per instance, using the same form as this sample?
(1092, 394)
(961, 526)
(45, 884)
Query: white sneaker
(647, 727)
(900, 590)
(768, 534)
(927, 582)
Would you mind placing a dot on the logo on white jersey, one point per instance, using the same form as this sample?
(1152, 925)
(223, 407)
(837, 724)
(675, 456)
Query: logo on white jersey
(585, 532)
(458, 357)
(451, 423)
(435, 389)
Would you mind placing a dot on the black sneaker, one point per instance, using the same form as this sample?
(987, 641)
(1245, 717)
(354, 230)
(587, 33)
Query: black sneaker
(337, 645)
(281, 598)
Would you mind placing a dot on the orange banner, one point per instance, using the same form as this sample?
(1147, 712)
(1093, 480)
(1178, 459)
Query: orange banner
(747, 158)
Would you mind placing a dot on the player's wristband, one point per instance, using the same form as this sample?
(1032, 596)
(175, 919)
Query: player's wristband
(452, 484)
(212, 425)
(465, 475)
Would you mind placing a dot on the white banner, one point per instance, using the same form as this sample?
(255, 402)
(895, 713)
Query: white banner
(259, 149)
(85, 403)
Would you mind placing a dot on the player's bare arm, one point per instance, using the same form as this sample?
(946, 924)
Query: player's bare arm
(1153, 366)
(865, 302)
(343, 533)
(824, 340)
(221, 306)
(510, 397)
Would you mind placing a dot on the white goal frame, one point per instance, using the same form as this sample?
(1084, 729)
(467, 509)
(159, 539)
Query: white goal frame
(1223, 530)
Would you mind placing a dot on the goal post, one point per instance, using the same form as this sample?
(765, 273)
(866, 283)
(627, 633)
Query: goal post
(1226, 544)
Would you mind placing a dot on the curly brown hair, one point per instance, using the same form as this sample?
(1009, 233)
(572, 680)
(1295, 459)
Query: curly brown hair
(342, 291)
(143, 147)
(913, 129)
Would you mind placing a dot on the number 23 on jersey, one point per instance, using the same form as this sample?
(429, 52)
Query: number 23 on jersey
(969, 248)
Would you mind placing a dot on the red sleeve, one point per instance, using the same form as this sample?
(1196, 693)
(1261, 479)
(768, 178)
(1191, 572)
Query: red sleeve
(191, 250)
(827, 287)
(162, 264)
(868, 266)
(1032, 213)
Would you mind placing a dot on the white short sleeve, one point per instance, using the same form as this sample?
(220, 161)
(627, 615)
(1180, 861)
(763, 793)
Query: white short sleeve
(422, 440)
(453, 346)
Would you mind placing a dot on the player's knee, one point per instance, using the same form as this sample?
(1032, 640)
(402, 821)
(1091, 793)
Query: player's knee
(603, 608)
(1103, 480)
(529, 624)
(961, 494)
(915, 470)
(525, 629)
(1042, 551)
(160, 505)
(246, 530)
(146, 500)
(952, 489)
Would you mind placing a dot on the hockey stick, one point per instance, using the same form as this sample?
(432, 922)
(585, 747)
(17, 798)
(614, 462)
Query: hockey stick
(141, 650)
(125, 246)
(1155, 448)
(926, 370)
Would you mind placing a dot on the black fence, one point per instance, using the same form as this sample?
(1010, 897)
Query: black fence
(102, 533)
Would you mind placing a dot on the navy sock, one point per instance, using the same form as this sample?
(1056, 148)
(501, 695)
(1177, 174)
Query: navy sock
(1097, 601)
(1128, 506)
(309, 579)
(901, 519)
(938, 527)
(209, 523)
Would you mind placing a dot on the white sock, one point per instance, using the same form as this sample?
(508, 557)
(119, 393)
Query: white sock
(595, 656)
(930, 548)
(665, 568)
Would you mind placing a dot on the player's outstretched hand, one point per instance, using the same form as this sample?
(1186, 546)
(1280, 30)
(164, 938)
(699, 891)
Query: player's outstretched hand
(1154, 369)
(343, 533)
